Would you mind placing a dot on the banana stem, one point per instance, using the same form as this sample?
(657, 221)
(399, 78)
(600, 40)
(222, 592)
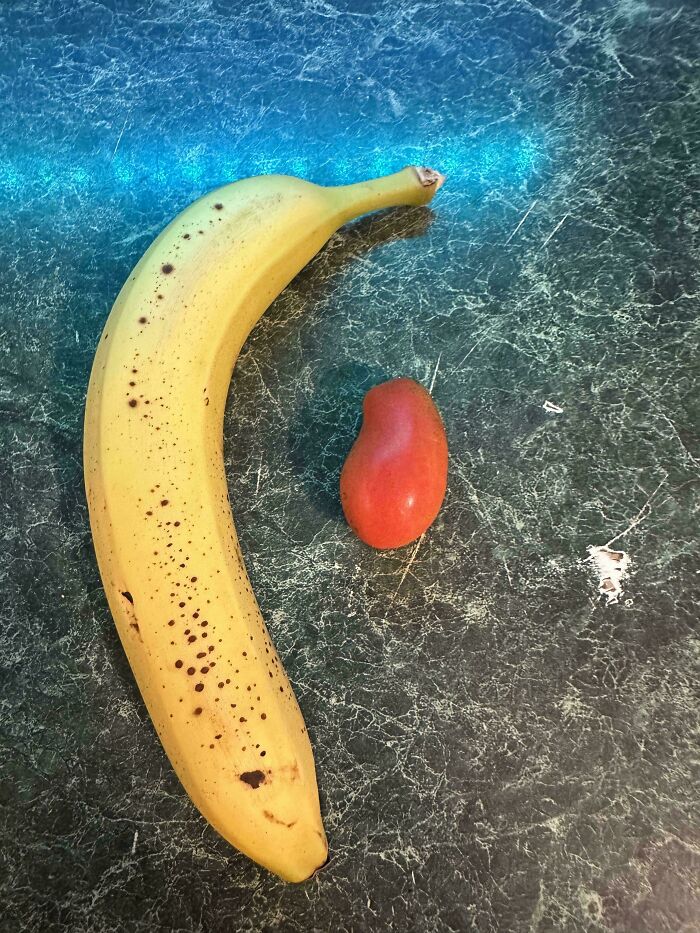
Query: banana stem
(413, 185)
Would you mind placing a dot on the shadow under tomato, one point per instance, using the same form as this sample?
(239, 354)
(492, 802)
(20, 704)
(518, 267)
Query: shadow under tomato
(322, 433)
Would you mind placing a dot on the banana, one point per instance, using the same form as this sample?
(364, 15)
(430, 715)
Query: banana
(162, 527)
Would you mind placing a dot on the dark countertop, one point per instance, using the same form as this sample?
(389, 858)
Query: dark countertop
(499, 749)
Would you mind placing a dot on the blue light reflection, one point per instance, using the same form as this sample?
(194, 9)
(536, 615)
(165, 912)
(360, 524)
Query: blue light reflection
(505, 160)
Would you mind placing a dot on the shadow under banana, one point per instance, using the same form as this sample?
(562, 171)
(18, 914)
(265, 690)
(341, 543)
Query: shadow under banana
(321, 434)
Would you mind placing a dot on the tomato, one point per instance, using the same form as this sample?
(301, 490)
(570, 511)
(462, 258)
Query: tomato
(394, 479)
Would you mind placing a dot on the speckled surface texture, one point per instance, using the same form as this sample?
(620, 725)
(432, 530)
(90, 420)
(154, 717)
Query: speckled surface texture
(499, 746)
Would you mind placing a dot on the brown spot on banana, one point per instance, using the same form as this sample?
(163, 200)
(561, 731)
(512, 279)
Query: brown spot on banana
(274, 819)
(252, 778)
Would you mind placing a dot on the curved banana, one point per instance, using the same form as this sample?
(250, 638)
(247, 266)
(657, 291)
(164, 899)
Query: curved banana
(162, 527)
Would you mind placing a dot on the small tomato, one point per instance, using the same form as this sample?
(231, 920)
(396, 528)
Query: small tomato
(394, 479)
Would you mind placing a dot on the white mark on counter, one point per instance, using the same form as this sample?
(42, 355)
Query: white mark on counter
(119, 139)
(552, 408)
(505, 564)
(432, 381)
(611, 567)
(408, 566)
(524, 218)
(257, 485)
(558, 226)
(464, 359)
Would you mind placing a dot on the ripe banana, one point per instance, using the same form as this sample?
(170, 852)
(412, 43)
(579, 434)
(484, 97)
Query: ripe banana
(161, 521)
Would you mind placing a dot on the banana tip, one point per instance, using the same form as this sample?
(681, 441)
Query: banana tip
(428, 176)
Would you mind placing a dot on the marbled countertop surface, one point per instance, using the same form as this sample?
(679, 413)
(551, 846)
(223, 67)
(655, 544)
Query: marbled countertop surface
(500, 747)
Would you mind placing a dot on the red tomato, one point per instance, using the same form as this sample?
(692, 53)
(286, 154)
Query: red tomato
(394, 479)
